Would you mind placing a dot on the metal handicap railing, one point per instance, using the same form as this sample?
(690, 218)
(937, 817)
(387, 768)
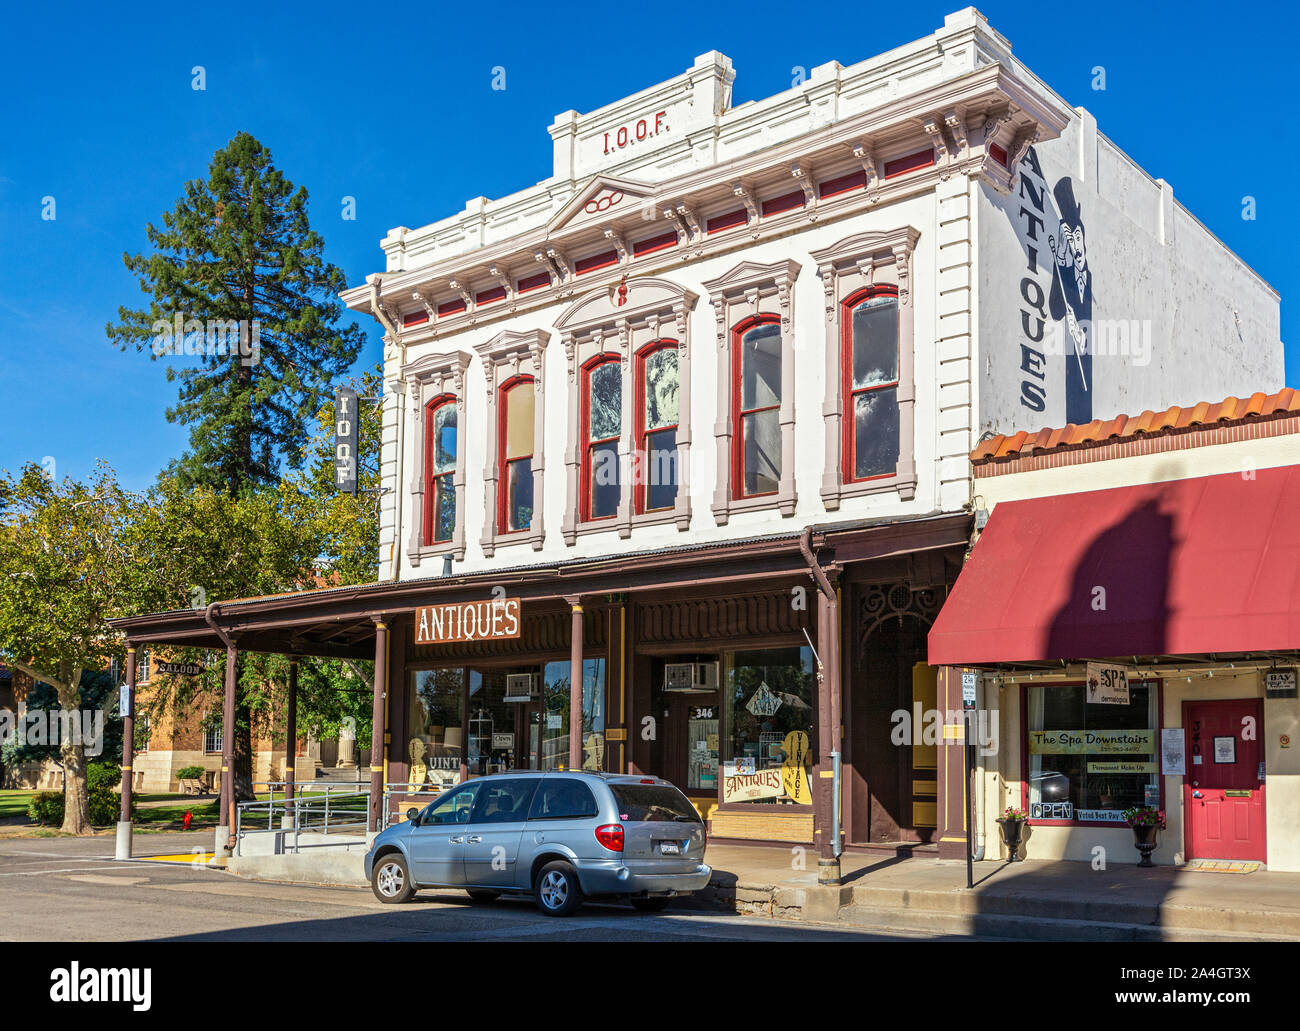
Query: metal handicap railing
(340, 808)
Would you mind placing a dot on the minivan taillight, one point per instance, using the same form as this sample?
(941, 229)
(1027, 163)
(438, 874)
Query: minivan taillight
(611, 836)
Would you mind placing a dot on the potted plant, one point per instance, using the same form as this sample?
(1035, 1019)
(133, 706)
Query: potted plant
(1012, 822)
(1146, 823)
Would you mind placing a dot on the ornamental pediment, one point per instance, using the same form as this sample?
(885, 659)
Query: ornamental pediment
(602, 201)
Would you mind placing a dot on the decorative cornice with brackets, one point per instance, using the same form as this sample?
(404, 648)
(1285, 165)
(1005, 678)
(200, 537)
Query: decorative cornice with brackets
(992, 96)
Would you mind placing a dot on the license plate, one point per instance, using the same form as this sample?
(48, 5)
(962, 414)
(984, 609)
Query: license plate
(669, 848)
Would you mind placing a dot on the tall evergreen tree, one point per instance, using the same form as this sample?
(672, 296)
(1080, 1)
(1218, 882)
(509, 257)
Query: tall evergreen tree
(238, 270)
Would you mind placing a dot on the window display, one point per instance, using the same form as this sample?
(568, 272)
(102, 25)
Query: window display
(434, 746)
(769, 697)
(1090, 762)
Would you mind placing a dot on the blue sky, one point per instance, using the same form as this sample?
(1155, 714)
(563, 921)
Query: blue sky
(395, 108)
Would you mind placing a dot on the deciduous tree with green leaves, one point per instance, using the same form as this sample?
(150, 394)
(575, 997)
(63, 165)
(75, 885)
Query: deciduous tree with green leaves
(66, 563)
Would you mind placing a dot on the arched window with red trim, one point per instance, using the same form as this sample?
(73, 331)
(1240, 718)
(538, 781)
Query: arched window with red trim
(515, 446)
(869, 363)
(756, 406)
(440, 450)
(657, 417)
(602, 426)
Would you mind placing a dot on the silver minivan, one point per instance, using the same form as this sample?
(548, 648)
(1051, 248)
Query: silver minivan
(561, 837)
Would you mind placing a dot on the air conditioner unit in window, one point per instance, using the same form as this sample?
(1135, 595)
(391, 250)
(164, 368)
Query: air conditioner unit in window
(520, 687)
(686, 677)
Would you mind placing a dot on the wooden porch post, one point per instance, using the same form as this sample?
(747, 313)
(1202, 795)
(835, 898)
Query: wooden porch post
(575, 685)
(226, 818)
(377, 725)
(128, 758)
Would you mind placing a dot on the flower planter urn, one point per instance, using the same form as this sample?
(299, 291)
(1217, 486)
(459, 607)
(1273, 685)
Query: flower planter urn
(1011, 829)
(1144, 838)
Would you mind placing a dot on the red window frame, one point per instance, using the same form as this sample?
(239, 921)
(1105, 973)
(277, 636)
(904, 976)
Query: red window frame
(430, 477)
(503, 463)
(847, 391)
(638, 424)
(584, 428)
(737, 413)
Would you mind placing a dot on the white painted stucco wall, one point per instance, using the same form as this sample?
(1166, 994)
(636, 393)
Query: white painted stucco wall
(1201, 324)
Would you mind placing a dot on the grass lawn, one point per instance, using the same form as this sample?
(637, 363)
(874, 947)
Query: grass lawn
(14, 803)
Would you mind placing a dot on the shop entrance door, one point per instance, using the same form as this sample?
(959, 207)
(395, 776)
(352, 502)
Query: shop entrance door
(1223, 788)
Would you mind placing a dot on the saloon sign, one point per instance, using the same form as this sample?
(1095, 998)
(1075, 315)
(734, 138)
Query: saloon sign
(497, 619)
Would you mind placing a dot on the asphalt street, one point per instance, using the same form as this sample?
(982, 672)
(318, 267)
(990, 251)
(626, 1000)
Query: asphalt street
(63, 889)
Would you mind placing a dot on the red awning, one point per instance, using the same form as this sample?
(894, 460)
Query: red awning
(1187, 567)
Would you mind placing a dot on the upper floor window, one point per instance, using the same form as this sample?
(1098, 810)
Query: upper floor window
(756, 406)
(657, 385)
(869, 324)
(602, 422)
(518, 402)
(440, 427)
(870, 406)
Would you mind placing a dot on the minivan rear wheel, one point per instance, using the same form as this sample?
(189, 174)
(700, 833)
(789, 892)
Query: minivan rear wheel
(557, 890)
(391, 881)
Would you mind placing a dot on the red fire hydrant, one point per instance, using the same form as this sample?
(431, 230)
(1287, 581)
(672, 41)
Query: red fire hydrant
(189, 817)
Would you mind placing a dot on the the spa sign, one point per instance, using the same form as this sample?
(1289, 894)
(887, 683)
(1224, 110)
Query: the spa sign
(1097, 742)
(497, 619)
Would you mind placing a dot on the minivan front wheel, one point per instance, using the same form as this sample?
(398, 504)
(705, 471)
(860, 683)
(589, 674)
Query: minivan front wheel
(557, 890)
(391, 881)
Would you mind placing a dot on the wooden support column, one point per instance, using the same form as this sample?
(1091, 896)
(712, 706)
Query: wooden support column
(291, 737)
(226, 818)
(377, 726)
(575, 684)
(828, 733)
(951, 772)
(128, 758)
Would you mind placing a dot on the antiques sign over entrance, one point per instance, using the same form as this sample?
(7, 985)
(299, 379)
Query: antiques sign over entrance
(497, 619)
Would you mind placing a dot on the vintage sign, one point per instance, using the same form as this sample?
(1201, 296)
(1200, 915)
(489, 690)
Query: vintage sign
(500, 740)
(345, 440)
(794, 767)
(1280, 683)
(1107, 684)
(185, 669)
(744, 787)
(1099, 742)
(493, 620)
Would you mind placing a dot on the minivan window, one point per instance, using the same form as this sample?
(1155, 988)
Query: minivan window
(453, 807)
(504, 801)
(653, 803)
(562, 798)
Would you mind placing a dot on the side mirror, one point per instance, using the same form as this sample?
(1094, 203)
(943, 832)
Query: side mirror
(413, 815)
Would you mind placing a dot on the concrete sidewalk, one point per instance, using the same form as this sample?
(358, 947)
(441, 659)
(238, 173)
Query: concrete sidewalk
(1030, 899)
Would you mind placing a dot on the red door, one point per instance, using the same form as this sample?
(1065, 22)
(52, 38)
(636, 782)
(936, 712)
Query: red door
(1223, 789)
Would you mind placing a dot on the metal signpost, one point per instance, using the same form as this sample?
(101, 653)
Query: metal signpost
(969, 681)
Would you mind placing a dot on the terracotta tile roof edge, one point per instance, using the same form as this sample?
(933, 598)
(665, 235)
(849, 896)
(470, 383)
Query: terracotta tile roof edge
(1204, 414)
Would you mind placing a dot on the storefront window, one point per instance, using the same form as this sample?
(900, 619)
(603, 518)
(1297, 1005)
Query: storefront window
(553, 729)
(769, 698)
(490, 722)
(435, 741)
(1090, 762)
